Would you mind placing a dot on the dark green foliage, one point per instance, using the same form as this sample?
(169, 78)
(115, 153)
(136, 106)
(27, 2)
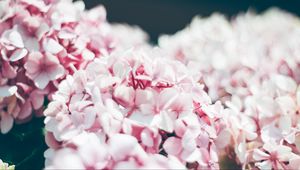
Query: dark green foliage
(24, 145)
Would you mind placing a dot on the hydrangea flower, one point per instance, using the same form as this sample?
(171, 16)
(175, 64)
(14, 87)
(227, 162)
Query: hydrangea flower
(40, 43)
(129, 93)
(251, 65)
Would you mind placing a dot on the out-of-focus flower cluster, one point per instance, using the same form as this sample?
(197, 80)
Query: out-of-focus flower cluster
(41, 41)
(251, 64)
(5, 166)
(216, 89)
(134, 99)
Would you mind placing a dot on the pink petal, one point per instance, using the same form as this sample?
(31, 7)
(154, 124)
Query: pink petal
(8, 71)
(32, 44)
(264, 165)
(54, 108)
(64, 34)
(26, 110)
(32, 64)
(124, 95)
(172, 146)
(51, 141)
(67, 159)
(37, 99)
(290, 138)
(87, 55)
(6, 122)
(191, 156)
(223, 139)
(18, 54)
(285, 83)
(55, 72)
(294, 163)
(259, 155)
(50, 59)
(41, 80)
(283, 151)
(213, 153)
(180, 128)
(52, 46)
(15, 39)
(286, 104)
(140, 118)
(285, 123)
(143, 96)
(120, 152)
(147, 138)
(188, 141)
(166, 97)
(204, 157)
(166, 122)
(42, 30)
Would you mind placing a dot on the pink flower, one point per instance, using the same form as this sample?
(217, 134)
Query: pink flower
(14, 45)
(43, 68)
(138, 103)
(275, 157)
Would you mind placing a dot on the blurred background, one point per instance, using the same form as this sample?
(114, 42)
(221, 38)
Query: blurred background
(168, 16)
(25, 146)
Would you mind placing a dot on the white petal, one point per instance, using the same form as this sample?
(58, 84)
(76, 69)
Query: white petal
(167, 97)
(146, 137)
(15, 39)
(265, 165)
(52, 46)
(18, 54)
(259, 155)
(32, 44)
(188, 141)
(285, 83)
(166, 123)
(192, 156)
(87, 55)
(119, 152)
(140, 118)
(285, 124)
(66, 35)
(41, 81)
(6, 91)
(286, 104)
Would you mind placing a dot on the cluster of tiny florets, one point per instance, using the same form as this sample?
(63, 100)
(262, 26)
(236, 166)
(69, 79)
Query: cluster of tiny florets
(218, 89)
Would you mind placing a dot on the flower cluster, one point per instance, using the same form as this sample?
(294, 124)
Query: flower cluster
(5, 166)
(251, 64)
(218, 88)
(144, 98)
(40, 41)
(229, 56)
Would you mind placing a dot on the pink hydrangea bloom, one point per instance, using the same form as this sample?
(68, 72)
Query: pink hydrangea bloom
(42, 41)
(252, 66)
(127, 92)
(43, 68)
(93, 151)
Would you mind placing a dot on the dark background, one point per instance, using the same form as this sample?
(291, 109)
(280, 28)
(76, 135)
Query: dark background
(24, 145)
(168, 16)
